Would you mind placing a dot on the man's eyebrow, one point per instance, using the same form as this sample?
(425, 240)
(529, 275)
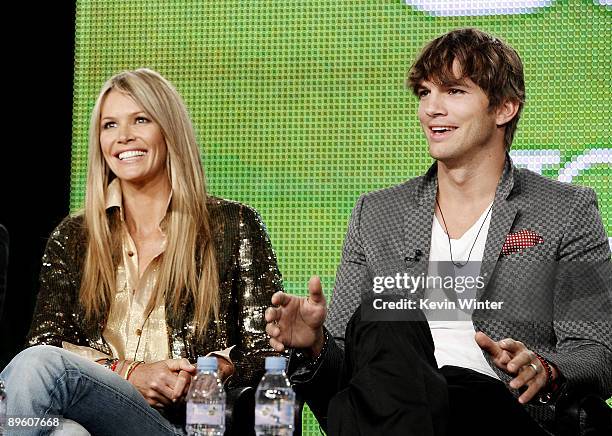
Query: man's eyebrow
(455, 82)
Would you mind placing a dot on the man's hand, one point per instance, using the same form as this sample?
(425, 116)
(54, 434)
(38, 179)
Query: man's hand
(297, 322)
(164, 382)
(514, 358)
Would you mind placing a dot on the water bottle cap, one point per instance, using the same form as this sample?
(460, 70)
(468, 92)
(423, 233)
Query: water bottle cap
(276, 363)
(207, 363)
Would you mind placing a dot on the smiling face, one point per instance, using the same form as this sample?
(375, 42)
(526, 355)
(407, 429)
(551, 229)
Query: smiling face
(132, 143)
(472, 57)
(457, 120)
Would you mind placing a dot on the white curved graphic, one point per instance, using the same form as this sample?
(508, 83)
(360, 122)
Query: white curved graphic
(536, 160)
(465, 8)
(594, 156)
(603, 2)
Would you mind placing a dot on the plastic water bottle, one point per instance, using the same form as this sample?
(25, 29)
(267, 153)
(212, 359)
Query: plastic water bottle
(274, 401)
(206, 401)
(2, 408)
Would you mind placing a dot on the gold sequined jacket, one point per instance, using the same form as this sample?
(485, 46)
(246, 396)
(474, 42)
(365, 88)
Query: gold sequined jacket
(248, 276)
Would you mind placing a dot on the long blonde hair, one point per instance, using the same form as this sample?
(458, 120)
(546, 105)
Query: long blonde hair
(187, 267)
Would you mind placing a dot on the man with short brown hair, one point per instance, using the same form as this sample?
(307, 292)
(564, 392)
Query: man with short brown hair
(410, 363)
(492, 65)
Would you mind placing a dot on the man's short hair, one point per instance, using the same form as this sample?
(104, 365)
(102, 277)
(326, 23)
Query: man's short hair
(486, 60)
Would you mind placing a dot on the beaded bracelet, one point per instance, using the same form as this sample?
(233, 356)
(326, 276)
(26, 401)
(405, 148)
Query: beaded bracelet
(315, 362)
(550, 385)
(110, 363)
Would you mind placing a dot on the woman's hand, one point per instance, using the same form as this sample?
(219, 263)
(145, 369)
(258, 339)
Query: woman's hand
(162, 383)
(225, 368)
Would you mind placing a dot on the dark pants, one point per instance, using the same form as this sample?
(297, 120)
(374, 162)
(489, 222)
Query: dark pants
(391, 385)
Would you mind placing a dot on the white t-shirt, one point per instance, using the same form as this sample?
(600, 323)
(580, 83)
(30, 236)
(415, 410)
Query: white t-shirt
(454, 340)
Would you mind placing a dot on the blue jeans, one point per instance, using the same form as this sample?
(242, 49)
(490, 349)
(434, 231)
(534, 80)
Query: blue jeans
(46, 381)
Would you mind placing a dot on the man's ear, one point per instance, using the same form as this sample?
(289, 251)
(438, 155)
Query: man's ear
(506, 111)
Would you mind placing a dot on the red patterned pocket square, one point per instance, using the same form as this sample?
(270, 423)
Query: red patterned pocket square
(520, 240)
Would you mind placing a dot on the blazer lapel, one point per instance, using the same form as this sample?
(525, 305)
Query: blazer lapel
(417, 226)
(503, 216)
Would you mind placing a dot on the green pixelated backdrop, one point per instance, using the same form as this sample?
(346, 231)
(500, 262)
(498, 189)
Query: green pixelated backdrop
(300, 106)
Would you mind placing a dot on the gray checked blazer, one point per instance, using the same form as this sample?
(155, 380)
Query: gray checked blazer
(570, 326)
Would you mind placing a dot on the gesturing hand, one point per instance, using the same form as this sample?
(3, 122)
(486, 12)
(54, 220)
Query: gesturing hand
(514, 358)
(162, 383)
(297, 322)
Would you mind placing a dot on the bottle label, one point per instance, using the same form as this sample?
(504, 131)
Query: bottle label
(275, 415)
(209, 414)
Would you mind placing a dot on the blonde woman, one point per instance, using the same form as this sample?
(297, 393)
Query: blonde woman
(152, 274)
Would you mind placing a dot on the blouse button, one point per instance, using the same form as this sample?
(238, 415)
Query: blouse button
(138, 332)
(130, 253)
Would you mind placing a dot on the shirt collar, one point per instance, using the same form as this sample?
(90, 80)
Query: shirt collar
(114, 198)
